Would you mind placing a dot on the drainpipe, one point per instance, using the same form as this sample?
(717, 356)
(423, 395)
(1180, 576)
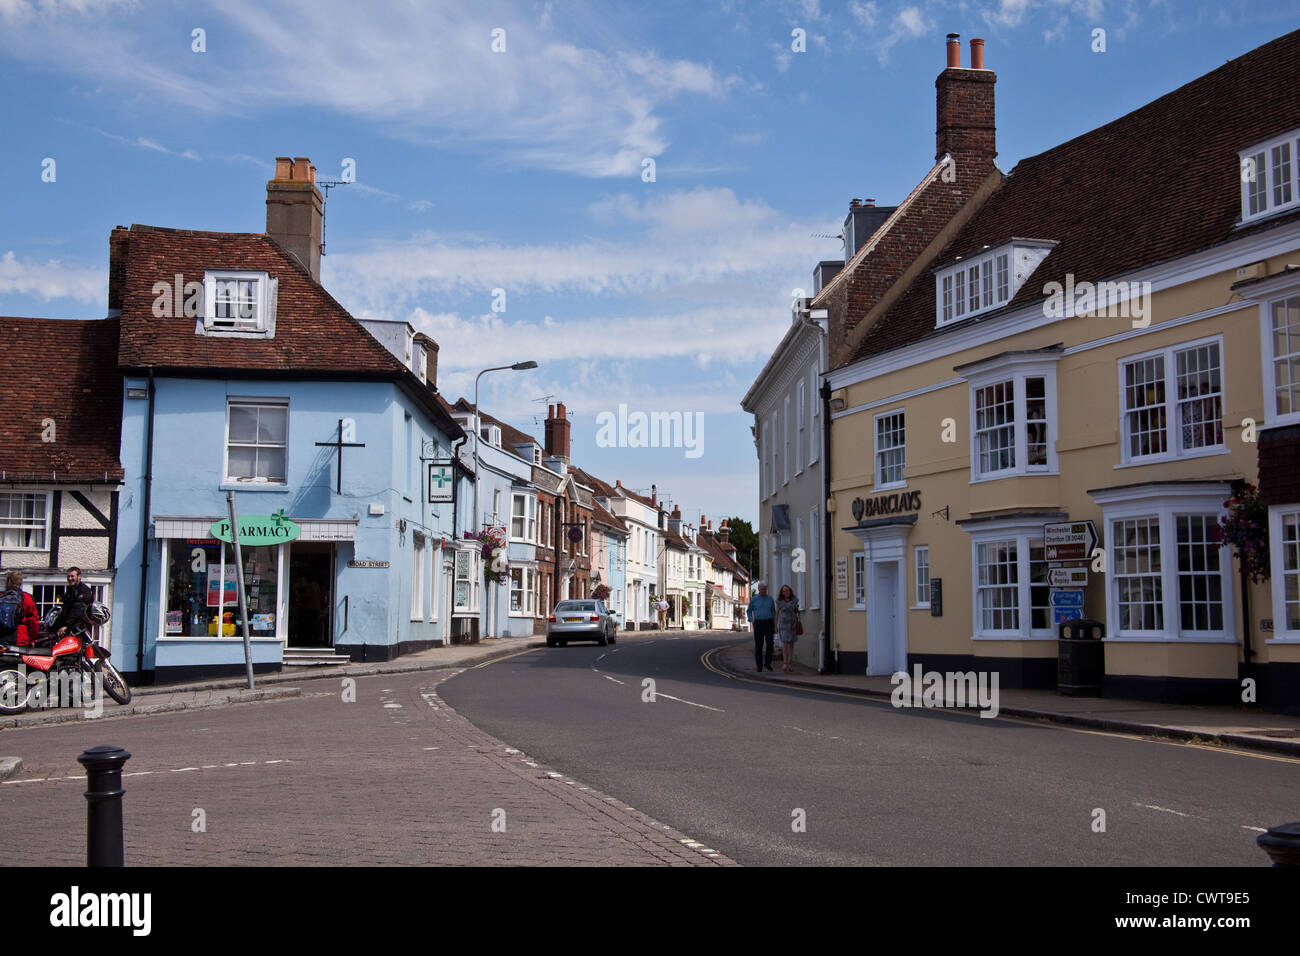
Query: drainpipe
(144, 532)
(455, 511)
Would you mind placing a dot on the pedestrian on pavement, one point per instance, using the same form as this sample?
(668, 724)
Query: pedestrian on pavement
(663, 614)
(77, 599)
(762, 611)
(788, 626)
(19, 621)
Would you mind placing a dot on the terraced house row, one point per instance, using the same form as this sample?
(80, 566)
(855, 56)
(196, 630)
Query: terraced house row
(394, 519)
(1102, 334)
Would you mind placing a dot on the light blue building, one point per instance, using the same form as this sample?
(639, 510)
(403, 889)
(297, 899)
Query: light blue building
(240, 373)
(507, 501)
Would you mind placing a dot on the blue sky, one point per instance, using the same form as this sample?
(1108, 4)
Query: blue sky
(522, 169)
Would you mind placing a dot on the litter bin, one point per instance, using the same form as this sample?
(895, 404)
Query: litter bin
(1080, 660)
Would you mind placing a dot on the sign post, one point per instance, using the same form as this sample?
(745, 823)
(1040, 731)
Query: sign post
(239, 579)
(1067, 605)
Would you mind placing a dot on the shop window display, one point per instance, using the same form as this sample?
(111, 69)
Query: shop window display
(202, 592)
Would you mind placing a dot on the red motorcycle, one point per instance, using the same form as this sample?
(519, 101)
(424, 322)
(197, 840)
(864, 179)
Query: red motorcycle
(78, 656)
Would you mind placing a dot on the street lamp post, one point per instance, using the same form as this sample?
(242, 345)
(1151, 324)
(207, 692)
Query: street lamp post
(517, 367)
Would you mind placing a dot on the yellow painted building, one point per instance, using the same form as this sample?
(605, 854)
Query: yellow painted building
(1087, 341)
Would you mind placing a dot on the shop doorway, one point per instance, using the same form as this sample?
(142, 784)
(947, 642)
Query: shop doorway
(311, 594)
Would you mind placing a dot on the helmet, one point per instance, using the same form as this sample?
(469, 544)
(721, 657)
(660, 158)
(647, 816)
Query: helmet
(48, 623)
(99, 613)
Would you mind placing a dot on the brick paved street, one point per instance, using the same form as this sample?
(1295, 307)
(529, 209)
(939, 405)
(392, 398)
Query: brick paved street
(395, 778)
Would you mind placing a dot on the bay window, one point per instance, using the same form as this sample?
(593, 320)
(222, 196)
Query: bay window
(1167, 577)
(523, 517)
(1010, 591)
(1013, 414)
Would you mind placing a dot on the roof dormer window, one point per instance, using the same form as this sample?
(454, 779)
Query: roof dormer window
(238, 303)
(1269, 177)
(491, 434)
(987, 280)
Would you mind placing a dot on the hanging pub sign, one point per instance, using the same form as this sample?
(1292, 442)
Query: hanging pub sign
(442, 481)
(886, 504)
(258, 530)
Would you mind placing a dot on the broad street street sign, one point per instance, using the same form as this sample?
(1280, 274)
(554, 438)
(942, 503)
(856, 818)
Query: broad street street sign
(1068, 577)
(1069, 541)
(1066, 605)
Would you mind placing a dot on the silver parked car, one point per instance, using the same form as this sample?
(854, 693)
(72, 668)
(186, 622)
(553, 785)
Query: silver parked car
(581, 620)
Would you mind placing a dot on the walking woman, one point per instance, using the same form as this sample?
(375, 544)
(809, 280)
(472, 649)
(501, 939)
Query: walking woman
(788, 627)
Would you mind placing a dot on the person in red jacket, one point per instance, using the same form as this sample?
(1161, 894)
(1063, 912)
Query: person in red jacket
(27, 621)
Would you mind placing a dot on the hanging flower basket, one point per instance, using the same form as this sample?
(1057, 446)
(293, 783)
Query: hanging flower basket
(1245, 528)
(601, 592)
(496, 566)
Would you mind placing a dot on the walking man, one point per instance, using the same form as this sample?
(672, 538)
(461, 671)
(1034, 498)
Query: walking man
(762, 611)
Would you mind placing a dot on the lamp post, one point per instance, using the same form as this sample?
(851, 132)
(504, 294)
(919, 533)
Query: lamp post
(517, 367)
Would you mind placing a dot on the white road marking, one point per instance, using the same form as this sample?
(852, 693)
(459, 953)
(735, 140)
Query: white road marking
(600, 658)
(1148, 806)
(1255, 829)
(432, 748)
(614, 679)
(392, 706)
(716, 710)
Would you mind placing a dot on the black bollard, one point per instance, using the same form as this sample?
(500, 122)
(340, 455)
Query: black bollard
(1282, 843)
(104, 804)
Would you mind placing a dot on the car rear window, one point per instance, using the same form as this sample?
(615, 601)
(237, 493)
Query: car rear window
(585, 607)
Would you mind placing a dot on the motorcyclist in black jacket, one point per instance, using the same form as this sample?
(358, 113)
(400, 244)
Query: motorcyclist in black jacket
(77, 599)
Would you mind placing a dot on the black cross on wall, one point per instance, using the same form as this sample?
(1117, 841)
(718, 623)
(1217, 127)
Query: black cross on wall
(340, 444)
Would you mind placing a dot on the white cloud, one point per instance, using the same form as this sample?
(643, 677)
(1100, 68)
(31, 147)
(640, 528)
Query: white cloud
(864, 13)
(682, 243)
(52, 280)
(425, 72)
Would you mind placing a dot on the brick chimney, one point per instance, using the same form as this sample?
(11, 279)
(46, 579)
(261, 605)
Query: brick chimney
(295, 209)
(966, 126)
(724, 533)
(119, 241)
(557, 432)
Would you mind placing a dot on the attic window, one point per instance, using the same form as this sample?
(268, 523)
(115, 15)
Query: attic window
(985, 281)
(238, 303)
(1270, 177)
(491, 434)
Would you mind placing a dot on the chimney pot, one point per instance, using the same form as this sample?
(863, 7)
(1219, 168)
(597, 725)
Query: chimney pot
(954, 51)
(977, 53)
(283, 167)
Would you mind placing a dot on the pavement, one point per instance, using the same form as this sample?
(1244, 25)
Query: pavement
(1247, 728)
(168, 698)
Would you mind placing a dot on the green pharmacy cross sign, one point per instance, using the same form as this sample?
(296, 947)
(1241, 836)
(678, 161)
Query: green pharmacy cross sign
(258, 530)
(442, 481)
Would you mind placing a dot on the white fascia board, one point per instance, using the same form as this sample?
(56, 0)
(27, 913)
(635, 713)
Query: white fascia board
(1163, 276)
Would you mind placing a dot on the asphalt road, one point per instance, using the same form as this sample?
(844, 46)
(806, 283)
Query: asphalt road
(739, 765)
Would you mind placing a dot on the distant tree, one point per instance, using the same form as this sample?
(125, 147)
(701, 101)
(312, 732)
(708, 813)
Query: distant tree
(746, 542)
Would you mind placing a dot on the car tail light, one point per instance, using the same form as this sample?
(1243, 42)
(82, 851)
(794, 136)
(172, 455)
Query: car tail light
(595, 617)
(551, 619)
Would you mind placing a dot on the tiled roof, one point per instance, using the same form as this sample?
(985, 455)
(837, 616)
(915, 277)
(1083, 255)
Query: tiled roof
(601, 488)
(1161, 182)
(64, 370)
(675, 540)
(314, 335)
(600, 516)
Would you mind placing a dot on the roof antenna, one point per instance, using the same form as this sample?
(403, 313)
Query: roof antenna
(328, 184)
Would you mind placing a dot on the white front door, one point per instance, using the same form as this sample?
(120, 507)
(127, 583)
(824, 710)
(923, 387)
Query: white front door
(883, 625)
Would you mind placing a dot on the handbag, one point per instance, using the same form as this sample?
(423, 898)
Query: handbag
(798, 627)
